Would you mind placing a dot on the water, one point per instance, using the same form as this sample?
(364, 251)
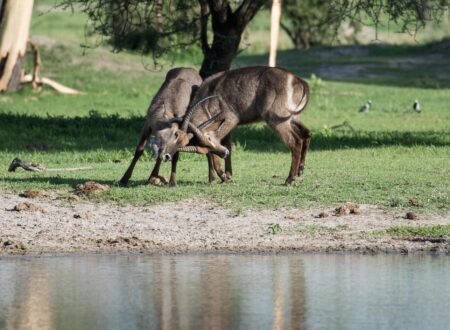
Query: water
(225, 291)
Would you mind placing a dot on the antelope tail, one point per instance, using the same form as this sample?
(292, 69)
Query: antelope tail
(304, 100)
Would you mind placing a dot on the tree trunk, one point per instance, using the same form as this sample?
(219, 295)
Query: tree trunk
(15, 19)
(227, 27)
(221, 53)
(274, 31)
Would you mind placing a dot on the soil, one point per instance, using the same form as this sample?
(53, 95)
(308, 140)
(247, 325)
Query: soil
(50, 225)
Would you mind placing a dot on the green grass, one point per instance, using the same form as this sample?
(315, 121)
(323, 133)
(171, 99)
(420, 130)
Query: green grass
(387, 157)
(437, 231)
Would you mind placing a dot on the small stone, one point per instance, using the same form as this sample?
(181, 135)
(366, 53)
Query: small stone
(82, 215)
(155, 181)
(73, 198)
(90, 187)
(29, 207)
(31, 194)
(411, 215)
(346, 209)
(342, 210)
(323, 215)
(8, 243)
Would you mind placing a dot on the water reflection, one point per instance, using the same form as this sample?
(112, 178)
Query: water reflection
(225, 291)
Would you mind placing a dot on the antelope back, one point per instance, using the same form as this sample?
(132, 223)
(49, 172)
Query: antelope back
(251, 94)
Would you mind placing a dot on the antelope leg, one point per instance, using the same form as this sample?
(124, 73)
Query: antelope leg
(200, 136)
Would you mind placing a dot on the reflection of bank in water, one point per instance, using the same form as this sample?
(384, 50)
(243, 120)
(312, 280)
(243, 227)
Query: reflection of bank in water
(26, 297)
(225, 291)
(219, 292)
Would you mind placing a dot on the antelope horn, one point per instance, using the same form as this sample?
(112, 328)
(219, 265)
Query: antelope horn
(191, 112)
(210, 120)
(194, 149)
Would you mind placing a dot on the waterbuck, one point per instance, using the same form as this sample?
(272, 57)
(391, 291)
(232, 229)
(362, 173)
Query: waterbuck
(164, 115)
(243, 96)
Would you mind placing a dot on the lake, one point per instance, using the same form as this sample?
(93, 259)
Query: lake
(293, 291)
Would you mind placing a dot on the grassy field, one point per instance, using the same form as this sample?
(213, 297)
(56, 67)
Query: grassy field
(385, 157)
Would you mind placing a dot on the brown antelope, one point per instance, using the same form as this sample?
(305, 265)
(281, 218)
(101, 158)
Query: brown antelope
(243, 96)
(164, 115)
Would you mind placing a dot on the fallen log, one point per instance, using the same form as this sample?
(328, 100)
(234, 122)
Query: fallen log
(16, 163)
(37, 81)
(53, 84)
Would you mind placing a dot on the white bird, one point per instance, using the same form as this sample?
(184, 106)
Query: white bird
(366, 107)
(416, 106)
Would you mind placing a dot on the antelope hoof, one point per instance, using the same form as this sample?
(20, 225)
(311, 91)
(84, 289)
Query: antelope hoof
(301, 171)
(225, 177)
(289, 181)
(172, 183)
(157, 181)
(123, 183)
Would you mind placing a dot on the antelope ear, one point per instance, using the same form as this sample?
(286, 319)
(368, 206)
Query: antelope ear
(190, 136)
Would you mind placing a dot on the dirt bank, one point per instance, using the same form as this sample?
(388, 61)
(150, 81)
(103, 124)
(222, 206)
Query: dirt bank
(58, 226)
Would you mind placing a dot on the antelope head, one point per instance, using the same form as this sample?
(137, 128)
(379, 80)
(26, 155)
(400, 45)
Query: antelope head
(169, 139)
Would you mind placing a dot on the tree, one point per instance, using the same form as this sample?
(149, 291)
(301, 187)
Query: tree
(275, 16)
(156, 26)
(216, 26)
(15, 18)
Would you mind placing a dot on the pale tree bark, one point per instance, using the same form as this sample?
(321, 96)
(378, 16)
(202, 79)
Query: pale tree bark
(274, 30)
(15, 18)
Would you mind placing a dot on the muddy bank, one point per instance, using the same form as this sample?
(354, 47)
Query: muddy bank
(51, 226)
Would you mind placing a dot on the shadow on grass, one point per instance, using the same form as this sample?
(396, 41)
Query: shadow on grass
(113, 133)
(57, 180)
(261, 138)
(424, 66)
(73, 182)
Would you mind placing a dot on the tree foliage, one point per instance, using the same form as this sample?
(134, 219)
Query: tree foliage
(312, 22)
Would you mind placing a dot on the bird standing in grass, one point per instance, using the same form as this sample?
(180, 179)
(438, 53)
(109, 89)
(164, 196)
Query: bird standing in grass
(416, 106)
(366, 107)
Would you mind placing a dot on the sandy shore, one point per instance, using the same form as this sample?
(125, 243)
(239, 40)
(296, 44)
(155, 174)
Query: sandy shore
(59, 226)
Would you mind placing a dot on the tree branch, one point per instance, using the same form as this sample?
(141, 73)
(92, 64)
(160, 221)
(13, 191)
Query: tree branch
(36, 63)
(246, 11)
(220, 10)
(204, 14)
